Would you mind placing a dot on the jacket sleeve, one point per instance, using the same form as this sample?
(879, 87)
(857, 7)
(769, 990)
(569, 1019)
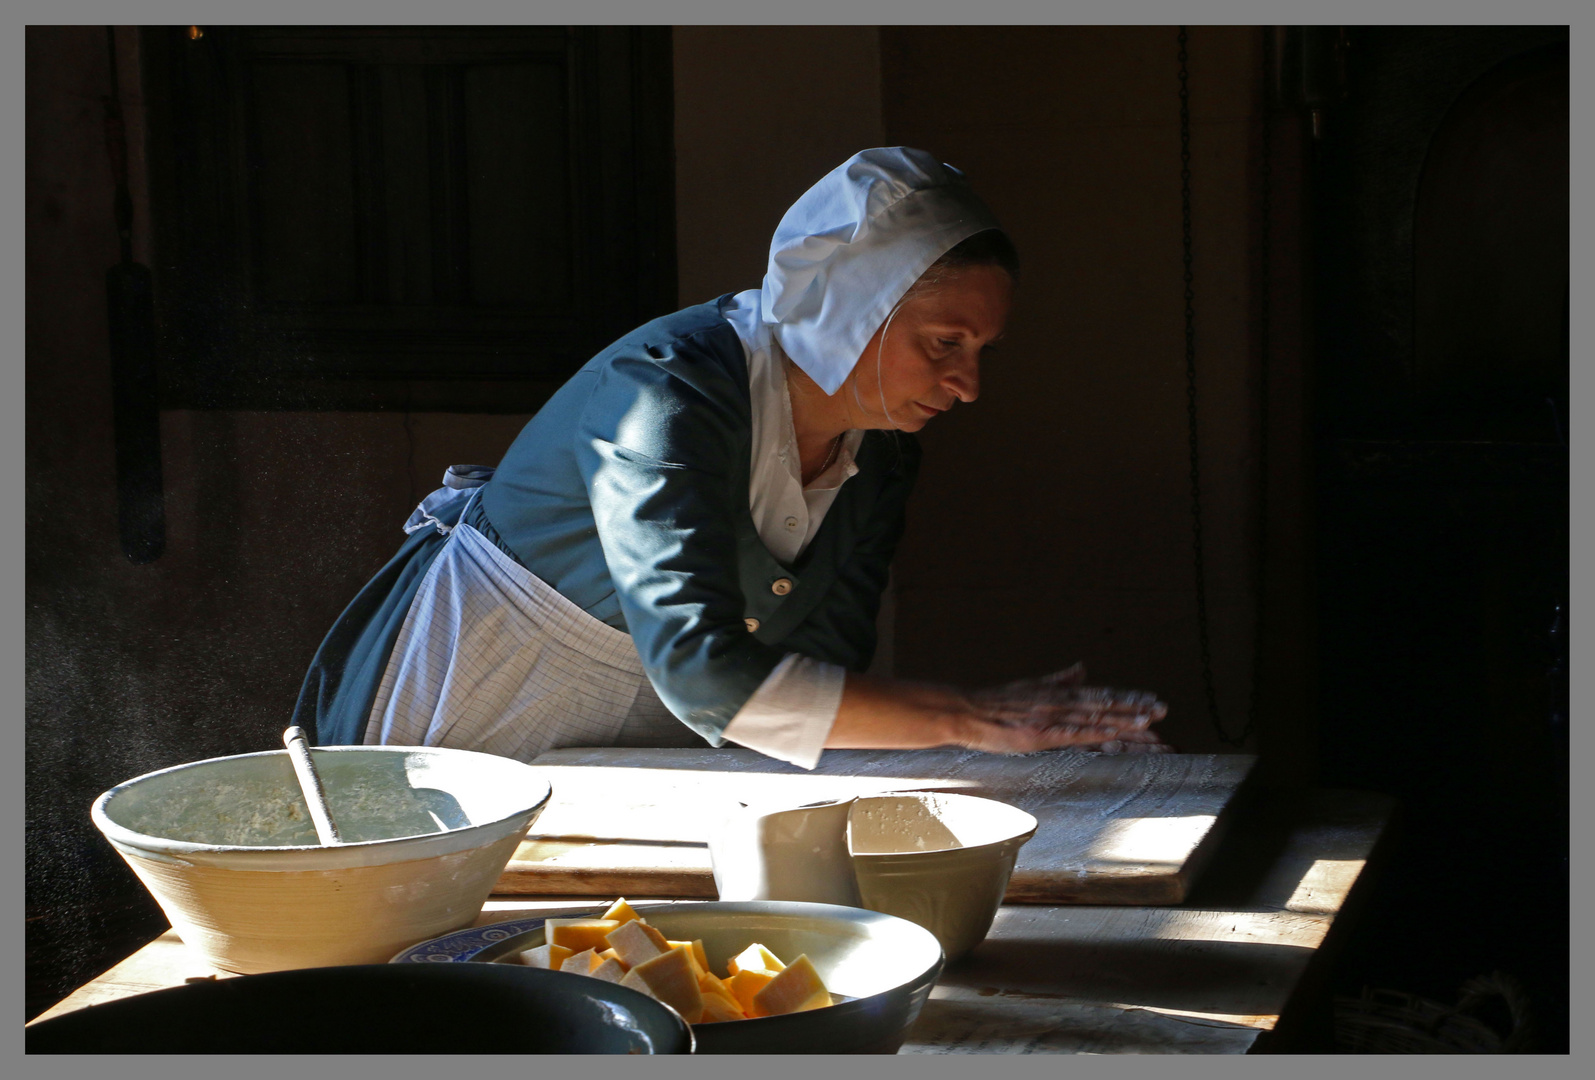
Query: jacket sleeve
(658, 446)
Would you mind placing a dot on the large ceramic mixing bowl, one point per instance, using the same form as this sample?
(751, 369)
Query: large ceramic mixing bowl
(228, 849)
(880, 968)
(939, 860)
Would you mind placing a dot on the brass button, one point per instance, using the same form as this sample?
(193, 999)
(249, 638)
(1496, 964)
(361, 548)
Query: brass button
(752, 624)
(781, 586)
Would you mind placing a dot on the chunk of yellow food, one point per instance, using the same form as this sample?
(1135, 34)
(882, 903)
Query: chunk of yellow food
(745, 984)
(692, 955)
(717, 1009)
(609, 971)
(713, 987)
(670, 979)
(620, 912)
(796, 988)
(756, 957)
(578, 934)
(545, 956)
(635, 942)
(622, 948)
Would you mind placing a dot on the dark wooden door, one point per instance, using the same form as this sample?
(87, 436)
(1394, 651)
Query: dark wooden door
(1441, 197)
(425, 218)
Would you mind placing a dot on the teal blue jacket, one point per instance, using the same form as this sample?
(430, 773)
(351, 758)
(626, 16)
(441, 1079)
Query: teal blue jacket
(628, 493)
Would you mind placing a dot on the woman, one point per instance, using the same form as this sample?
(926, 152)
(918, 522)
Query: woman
(689, 541)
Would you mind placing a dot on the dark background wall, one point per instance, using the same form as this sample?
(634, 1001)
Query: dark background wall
(1052, 523)
(1440, 223)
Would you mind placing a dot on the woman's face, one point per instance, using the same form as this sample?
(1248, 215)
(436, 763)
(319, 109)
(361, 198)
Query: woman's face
(932, 351)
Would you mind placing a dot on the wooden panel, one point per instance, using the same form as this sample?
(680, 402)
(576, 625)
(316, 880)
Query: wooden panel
(519, 205)
(422, 45)
(406, 149)
(1090, 980)
(304, 184)
(1113, 829)
(351, 215)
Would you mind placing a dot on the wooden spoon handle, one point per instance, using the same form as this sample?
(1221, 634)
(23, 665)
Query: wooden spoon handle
(310, 784)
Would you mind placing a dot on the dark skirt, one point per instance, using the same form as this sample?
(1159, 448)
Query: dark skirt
(335, 701)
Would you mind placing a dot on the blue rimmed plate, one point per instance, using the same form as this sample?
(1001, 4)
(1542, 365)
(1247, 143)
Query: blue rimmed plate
(469, 944)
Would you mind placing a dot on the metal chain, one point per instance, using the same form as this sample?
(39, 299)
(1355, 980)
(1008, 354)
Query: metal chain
(1190, 388)
(1264, 330)
(1197, 552)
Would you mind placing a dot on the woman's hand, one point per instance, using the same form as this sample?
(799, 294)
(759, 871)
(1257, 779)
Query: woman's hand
(1060, 710)
(1019, 718)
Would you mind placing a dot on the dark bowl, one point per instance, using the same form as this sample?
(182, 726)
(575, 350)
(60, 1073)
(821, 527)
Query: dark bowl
(375, 1009)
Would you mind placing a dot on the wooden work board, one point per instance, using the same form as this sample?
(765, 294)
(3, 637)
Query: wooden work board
(1113, 829)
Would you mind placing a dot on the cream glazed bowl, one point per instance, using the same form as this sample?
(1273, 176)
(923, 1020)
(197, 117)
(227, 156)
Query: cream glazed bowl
(878, 969)
(939, 860)
(228, 849)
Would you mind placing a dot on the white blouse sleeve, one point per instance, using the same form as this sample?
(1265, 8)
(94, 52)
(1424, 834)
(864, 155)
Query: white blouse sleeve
(791, 714)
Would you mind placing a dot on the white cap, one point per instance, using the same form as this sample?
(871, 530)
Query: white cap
(852, 245)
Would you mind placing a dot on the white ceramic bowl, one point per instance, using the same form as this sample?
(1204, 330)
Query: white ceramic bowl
(227, 848)
(939, 860)
(785, 853)
(882, 966)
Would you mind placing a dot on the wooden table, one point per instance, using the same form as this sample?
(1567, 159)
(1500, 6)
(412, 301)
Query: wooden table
(1239, 968)
(1110, 828)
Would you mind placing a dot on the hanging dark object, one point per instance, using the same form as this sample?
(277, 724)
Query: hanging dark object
(1264, 332)
(135, 405)
(1311, 72)
(1209, 685)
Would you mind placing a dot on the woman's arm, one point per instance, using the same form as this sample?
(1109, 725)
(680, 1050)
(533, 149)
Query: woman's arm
(666, 530)
(1042, 714)
(661, 446)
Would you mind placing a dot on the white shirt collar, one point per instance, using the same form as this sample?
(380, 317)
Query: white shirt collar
(786, 515)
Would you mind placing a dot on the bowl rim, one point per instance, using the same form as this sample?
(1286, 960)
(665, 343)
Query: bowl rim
(348, 972)
(1017, 839)
(158, 846)
(456, 947)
